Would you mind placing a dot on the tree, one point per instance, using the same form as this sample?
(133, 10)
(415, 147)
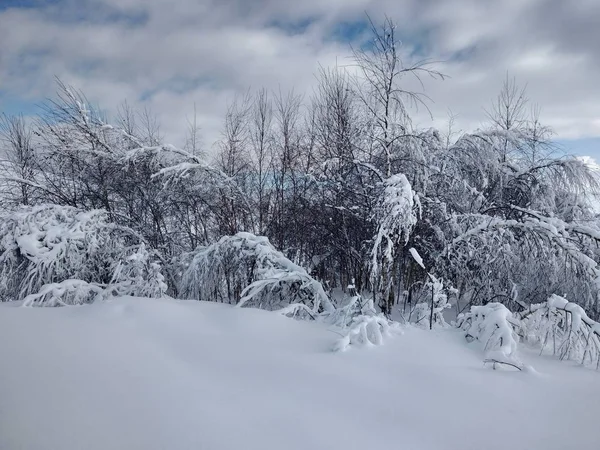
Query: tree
(18, 164)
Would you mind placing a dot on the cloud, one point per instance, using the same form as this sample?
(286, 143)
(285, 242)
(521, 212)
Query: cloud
(172, 54)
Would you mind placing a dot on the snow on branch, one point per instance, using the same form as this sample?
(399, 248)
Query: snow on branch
(247, 270)
(172, 165)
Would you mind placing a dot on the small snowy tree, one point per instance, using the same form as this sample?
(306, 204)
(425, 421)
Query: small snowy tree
(564, 327)
(396, 215)
(491, 325)
(139, 275)
(431, 310)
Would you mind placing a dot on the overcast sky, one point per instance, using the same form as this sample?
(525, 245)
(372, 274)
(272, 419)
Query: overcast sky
(170, 54)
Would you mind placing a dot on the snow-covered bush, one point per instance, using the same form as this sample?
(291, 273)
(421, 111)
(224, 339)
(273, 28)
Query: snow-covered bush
(353, 306)
(139, 275)
(359, 322)
(58, 255)
(564, 327)
(557, 324)
(491, 325)
(66, 293)
(247, 270)
(365, 330)
(422, 314)
(49, 243)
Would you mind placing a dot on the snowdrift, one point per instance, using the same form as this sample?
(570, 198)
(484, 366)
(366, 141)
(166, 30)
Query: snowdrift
(134, 373)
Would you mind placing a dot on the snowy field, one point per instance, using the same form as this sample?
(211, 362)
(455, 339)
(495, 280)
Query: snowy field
(159, 374)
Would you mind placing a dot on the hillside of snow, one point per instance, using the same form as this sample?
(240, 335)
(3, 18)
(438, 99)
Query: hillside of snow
(133, 373)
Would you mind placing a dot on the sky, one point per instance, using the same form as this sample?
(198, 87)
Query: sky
(170, 55)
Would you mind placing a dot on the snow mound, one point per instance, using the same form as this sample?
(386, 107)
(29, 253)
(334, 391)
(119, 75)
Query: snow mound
(138, 373)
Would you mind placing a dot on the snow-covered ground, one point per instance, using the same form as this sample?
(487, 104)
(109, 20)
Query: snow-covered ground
(161, 374)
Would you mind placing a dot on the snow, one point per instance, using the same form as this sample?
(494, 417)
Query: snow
(134, 373)
(415, 254)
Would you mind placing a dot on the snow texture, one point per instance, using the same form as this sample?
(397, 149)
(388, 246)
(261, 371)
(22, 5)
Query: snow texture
(139, 373)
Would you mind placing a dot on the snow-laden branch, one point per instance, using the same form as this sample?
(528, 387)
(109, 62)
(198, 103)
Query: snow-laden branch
(549, 229)
(564, 327)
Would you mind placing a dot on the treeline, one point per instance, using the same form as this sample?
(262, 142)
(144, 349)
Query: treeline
(342, 182)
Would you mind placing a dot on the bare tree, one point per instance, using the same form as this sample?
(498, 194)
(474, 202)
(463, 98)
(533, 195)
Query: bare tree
(18, 163)
(261, 136)
(382, 72)
(233, 159)
(287, 147)
(150, 127)
(509, 111)
(127, 118)
(193, 142)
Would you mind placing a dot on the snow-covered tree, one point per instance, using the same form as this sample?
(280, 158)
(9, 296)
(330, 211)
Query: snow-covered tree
(57, 255)
(562, 327)
(491, 325)
(139, 275)
(49, 243)
(396, 215)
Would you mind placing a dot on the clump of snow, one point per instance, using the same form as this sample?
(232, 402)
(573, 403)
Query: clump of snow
(415, 254)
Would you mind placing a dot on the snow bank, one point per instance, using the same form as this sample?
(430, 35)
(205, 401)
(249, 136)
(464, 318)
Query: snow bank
(162, 374)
